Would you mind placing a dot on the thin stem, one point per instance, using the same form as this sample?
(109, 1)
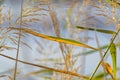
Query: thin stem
(100, 52)
(48, 68)
(113, 38)
(19, 39)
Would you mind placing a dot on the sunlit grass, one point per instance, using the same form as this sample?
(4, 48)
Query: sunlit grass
(39, 21)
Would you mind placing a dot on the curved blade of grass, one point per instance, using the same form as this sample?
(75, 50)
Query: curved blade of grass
(92, 51)
(48, 68)
(113, 55)
(98, 30)
(108, 68)
(89, 52)
(52, 38)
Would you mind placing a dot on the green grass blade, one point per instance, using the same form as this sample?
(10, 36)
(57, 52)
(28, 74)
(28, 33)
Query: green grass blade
(100, 76)
(98, 30)
(113, 55)
(52, 38)
(90, 52)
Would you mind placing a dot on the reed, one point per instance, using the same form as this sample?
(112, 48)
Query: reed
(53, 44)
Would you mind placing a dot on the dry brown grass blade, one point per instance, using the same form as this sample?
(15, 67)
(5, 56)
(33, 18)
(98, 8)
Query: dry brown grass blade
(55, 22)
(26, 44)
(2, 17)
(48, 68)
(9, 77)
(108, 68)
(8, 48)
(57, 39)
(57, 31)
(13, 40)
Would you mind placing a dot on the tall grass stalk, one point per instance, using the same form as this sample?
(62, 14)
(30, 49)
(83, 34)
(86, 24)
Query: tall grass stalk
(45, 67)
(19, 42)
(112, 40)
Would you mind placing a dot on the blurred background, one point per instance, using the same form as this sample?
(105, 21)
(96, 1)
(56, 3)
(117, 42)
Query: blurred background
(68, 14)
